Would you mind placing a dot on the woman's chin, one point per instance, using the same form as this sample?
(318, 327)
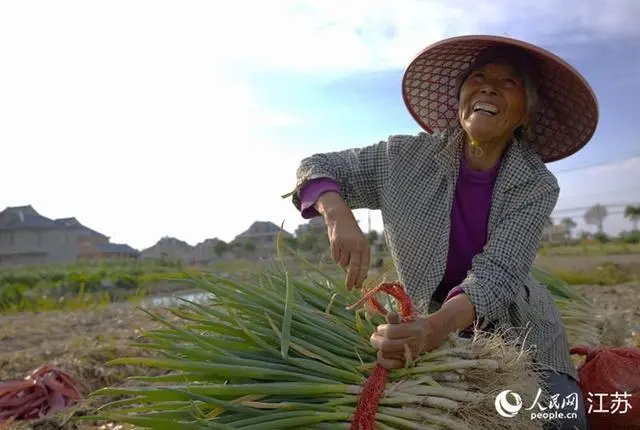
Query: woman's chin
(482, 136)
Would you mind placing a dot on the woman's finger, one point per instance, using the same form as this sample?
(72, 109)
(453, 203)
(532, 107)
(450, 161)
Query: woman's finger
(345, 256)
(389, 345)
(389, 363)
(335, 252)
(364, 267)
(354, 270)
(404, 330)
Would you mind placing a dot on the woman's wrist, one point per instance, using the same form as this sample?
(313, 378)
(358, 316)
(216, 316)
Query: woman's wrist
(331, 205)
(457, 313)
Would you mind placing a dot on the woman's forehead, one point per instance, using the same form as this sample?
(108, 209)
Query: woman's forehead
(501, 67)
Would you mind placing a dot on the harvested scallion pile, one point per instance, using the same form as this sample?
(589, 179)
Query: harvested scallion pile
(281, 353)
(581, 320)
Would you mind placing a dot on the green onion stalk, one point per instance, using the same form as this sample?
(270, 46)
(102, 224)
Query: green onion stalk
(582, 321)
(283, 353)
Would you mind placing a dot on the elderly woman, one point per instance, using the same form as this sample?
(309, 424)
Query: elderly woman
(464, 205)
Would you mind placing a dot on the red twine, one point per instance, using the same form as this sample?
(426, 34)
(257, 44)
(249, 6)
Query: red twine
(365, 415)
(40, 394)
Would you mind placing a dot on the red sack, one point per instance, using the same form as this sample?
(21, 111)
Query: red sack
(610, 383)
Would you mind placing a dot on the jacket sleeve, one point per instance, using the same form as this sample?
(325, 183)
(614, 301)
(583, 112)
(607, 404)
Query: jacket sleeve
(499, 272)
(360, 173)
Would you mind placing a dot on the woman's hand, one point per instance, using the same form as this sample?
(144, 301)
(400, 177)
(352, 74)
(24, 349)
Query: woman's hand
(394, 341)
(349, 245)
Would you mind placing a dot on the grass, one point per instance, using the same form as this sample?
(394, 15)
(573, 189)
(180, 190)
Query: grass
(81, 285)
(603, 274)
(591, 249)
(89, 285)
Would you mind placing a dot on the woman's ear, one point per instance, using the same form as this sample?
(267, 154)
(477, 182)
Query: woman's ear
(519, 132)
(523, 132)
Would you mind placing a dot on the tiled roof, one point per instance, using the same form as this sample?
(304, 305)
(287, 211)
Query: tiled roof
(73, 223)
(68, 222)
(25, 217)
(261, 229)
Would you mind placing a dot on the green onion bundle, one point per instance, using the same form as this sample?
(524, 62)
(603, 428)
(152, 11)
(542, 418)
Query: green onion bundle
(581, 320)
(278, 353)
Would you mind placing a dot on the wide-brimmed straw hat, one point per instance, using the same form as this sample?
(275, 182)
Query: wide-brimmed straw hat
(566, 116)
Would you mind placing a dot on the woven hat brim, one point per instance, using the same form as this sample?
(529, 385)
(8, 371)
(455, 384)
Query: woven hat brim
(565, 120)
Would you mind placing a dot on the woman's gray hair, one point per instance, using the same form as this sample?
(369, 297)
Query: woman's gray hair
(533, 99)
(532, 94)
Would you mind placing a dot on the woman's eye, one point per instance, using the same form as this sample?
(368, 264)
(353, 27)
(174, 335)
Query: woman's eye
(510, 83)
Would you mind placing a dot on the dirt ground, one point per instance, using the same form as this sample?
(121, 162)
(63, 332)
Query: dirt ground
(81, 342)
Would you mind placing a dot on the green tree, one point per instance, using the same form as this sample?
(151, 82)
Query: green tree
(596, 215)
(307, 241)
(585, 235)
(220, 248)
(291, 242)
(632, 213)
(569, 224)
(372, 237)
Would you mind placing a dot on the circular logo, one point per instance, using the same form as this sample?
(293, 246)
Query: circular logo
(504, 407)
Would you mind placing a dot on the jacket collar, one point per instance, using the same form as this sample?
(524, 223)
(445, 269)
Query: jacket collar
(516, 168)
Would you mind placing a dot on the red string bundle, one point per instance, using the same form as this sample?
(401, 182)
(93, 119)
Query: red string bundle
(365, 415)
(40, 394)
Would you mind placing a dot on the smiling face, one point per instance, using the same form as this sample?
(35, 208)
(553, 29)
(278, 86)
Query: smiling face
(493, 103)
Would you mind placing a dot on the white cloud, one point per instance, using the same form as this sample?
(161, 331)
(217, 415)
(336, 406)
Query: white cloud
(138, 118)
(291, 34)
(631, 164)
(372, 34)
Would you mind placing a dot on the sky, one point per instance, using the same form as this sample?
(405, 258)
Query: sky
(146, 119)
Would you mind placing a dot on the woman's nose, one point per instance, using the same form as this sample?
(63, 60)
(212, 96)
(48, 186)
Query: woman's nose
(488, 89)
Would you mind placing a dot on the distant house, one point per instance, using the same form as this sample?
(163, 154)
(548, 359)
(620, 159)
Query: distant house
(555, 234)
(205, 251)
(169, 248)
(315, 225)
(87, 240)
(262, 235)
(27, 237)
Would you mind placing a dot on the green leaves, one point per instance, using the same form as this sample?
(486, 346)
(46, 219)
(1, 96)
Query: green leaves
(275, 353)
(288, 315)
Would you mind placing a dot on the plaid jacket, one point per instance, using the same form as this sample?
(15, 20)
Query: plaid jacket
(411, 180)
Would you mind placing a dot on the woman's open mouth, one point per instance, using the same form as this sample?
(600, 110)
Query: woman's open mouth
(485, 108)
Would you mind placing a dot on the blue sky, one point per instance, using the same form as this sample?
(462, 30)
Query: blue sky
(188, 119)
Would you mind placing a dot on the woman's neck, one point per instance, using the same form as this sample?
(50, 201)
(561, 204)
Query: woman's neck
(483, 156)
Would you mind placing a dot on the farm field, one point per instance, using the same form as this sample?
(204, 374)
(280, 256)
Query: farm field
(82, 340)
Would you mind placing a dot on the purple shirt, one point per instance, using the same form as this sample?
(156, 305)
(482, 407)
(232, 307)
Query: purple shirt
(310, 193)
(469, 220)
